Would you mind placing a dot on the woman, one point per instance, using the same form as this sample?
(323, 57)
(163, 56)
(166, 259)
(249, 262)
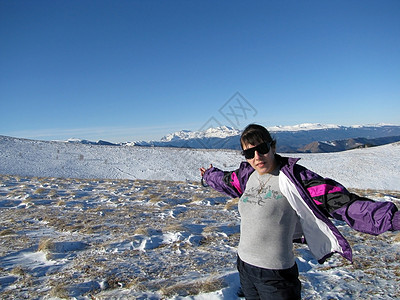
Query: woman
(282, 202)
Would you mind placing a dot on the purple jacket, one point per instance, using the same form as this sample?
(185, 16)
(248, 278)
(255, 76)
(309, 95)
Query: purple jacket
(316, 200)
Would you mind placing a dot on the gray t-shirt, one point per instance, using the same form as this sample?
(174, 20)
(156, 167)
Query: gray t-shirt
(267, 224)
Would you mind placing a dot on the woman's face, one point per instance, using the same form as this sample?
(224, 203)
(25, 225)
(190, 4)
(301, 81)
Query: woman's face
(262, 163)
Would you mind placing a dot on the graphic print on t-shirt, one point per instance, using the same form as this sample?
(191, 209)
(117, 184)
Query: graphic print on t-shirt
(255, 195)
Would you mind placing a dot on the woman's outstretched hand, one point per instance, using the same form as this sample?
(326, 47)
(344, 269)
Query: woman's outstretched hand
(203, 170)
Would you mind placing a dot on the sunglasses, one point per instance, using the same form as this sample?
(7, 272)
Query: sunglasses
(261, 149)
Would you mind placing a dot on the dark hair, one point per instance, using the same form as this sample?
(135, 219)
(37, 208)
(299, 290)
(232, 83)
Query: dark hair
(256, 134)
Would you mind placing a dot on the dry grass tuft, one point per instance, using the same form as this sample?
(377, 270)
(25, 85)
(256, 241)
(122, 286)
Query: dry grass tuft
(232, 204)
(396, 238)
(141, 231)
(7, 232)
(40, 191)
(46, 245)
(173, 228)
(136, 283)
(59, 291)
(197, 198)
(53, 194)
(18, 270)
(61, 203)
(209, 285)
(155, 198)
(210, 229)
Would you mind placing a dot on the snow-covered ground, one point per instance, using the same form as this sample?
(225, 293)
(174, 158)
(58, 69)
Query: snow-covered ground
(107, 222)
(370, 168)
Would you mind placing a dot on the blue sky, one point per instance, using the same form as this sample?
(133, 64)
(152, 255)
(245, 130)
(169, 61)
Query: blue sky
(138, 70)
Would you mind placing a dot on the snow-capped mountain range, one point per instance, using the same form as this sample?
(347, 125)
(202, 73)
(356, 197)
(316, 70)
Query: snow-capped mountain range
(307, 137)
(218, 132)
(302, 138)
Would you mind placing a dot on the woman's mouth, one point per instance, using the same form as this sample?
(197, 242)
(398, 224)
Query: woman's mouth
(260, 164)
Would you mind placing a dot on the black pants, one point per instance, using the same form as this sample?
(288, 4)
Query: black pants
(265, 284)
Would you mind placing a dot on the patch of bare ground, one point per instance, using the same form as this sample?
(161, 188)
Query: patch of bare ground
(376, 193)
(139, 235)
(84, 238)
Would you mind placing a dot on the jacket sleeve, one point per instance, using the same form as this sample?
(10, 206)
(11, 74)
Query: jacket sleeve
(231, 183)
(361, 214)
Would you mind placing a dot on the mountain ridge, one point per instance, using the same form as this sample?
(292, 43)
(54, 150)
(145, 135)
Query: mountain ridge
(301, 138)
(290, 139)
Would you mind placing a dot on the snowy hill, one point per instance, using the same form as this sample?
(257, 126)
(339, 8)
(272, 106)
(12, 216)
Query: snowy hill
(370, 168)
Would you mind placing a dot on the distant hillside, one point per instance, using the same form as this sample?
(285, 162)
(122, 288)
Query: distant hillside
(348, 144)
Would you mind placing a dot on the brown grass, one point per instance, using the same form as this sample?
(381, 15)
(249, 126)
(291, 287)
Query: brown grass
(18, 270)
(107, 215)
(173, 228)
(232, 204)
(396, 239)
(208, 285)
(7, 232)
(46, 245)
(59, 291)
(40, 191)
(141, 231)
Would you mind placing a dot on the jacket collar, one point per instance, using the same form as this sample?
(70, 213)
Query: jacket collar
(287, 162)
